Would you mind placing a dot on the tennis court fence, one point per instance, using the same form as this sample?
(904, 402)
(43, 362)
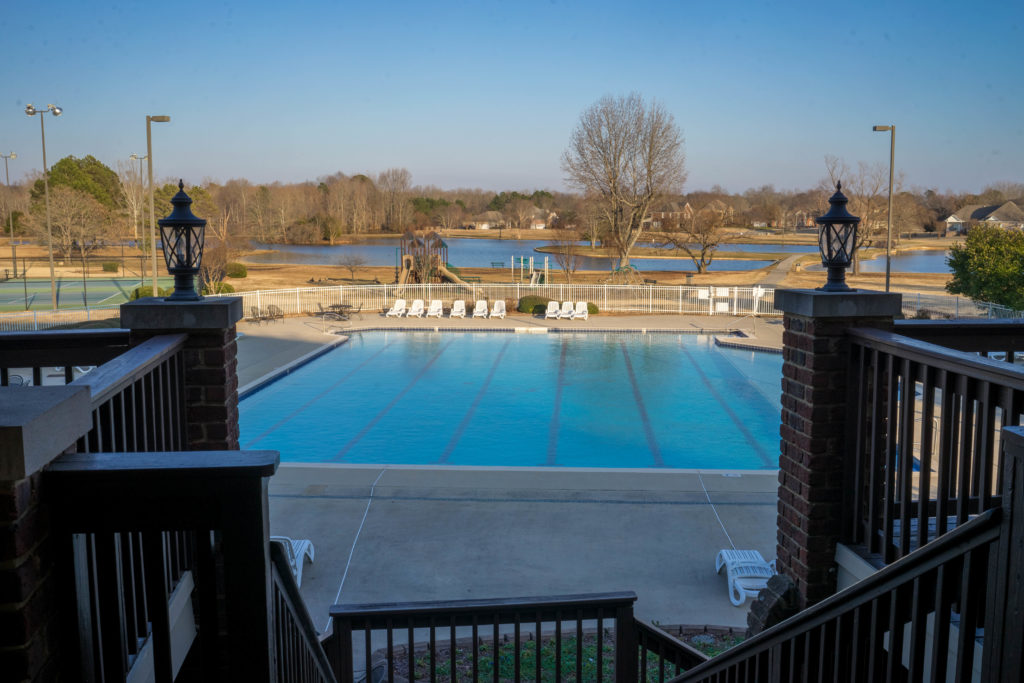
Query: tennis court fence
(639, 299)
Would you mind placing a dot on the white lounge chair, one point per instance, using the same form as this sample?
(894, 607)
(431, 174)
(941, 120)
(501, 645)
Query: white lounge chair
(398, 310)
(581, 311)
(416, 310)
(480, 309)
(458, 309)
(435, 310)
(498, 309)
(747, 571)
(566, 311)
(552, 311)
(296, 550)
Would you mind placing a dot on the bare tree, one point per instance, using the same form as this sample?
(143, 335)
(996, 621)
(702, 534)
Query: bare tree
(132, 191)
(77, 220)
(627, 154)
(867, 190)
(351, 261)
(450, 217)
(567, 254)
(698, 234)
(394, 184)
(520, 212)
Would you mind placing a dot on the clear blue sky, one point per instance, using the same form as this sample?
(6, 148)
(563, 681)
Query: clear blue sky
(485, 94)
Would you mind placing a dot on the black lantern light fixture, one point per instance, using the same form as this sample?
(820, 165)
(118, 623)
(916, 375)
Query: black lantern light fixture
(182, 235)
(837, 238)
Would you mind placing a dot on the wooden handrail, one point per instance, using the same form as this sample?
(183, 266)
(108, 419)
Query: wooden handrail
(114, 375)
(966, 335)
(976, 533)
(940, 357)
(378, 614)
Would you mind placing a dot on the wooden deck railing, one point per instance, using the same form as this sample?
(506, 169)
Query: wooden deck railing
(133, 522)
(948, 611)
(538, 628)
(924, 434)
(138, 399)
(300, 657)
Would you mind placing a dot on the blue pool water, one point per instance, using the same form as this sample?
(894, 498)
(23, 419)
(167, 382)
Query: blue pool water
(570, 400)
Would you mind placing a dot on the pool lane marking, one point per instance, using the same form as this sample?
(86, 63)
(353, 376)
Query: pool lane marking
(386, 409)
(728, 409)
(352, 550)
(461, 429)
(556, 412)
(652, 442)
(316, 398)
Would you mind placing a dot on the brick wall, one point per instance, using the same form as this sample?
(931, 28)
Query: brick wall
(813, 429)
(29, 647)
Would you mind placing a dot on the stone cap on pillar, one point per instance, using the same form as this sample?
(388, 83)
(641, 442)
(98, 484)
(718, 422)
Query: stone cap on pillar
(218, 313)
(37, 424)
(864, 303)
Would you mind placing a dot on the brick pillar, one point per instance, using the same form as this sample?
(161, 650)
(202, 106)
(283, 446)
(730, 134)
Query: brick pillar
(815, 371)
(36, 425)
(211, 372)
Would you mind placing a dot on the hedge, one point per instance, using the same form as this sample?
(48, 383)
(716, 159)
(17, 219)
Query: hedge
(235, 269)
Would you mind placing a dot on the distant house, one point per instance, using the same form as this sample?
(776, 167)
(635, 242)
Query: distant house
(1007, 215)
(486, 221)
(542, 218)
(671, 213)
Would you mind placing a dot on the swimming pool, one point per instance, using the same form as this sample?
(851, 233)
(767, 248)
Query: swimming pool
(566, 399)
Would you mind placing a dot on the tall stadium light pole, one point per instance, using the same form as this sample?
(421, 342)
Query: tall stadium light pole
(57, 111)
(152, 210)
(888, 222)
(10, 214)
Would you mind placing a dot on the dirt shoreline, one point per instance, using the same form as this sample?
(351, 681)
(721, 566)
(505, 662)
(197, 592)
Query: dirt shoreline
(284, 276)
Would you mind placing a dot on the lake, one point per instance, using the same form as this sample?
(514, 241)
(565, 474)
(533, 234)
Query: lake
(481, 253)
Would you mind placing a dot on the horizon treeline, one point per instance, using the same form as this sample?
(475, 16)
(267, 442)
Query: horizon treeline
(90, 203)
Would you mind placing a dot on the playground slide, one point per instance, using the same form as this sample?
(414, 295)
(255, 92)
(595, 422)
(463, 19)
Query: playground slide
(451, 277)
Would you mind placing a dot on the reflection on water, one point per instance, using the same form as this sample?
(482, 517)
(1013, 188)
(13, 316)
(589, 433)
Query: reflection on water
(928, 261)
(484, 253)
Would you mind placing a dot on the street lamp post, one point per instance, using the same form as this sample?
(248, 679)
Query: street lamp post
(888, 222)
(152, 210)
(10, 215)
(57, 111)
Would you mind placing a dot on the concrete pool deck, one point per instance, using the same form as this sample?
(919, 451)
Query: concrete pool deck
(435, 533)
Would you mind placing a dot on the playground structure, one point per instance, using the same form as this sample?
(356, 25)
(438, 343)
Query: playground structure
(424, 260)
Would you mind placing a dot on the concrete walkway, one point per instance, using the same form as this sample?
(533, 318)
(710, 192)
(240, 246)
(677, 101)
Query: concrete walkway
(433, 533)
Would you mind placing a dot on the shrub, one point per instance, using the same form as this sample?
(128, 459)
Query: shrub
(147, 290)
(533, 304)
(235, 269)
(218, 288)
(592, 309)
(111, 266)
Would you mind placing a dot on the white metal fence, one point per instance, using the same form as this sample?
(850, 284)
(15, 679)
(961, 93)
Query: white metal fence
(618, 298)
(661, 299)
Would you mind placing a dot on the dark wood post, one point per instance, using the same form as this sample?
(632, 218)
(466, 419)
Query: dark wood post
(626, 655)
(1002, 658)
(211, 377)
(815, 413)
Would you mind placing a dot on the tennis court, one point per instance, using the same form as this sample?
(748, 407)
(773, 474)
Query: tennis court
(34, 294)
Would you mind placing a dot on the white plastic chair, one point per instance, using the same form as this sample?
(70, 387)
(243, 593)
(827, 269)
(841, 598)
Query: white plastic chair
(296, 550)
(566, 311)
(747, 571)
(458, 309)
(480, 309)
(498, 309)
(581, 311)
(552, 311)
(398, 310)
(416, 311)
(435, 310)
